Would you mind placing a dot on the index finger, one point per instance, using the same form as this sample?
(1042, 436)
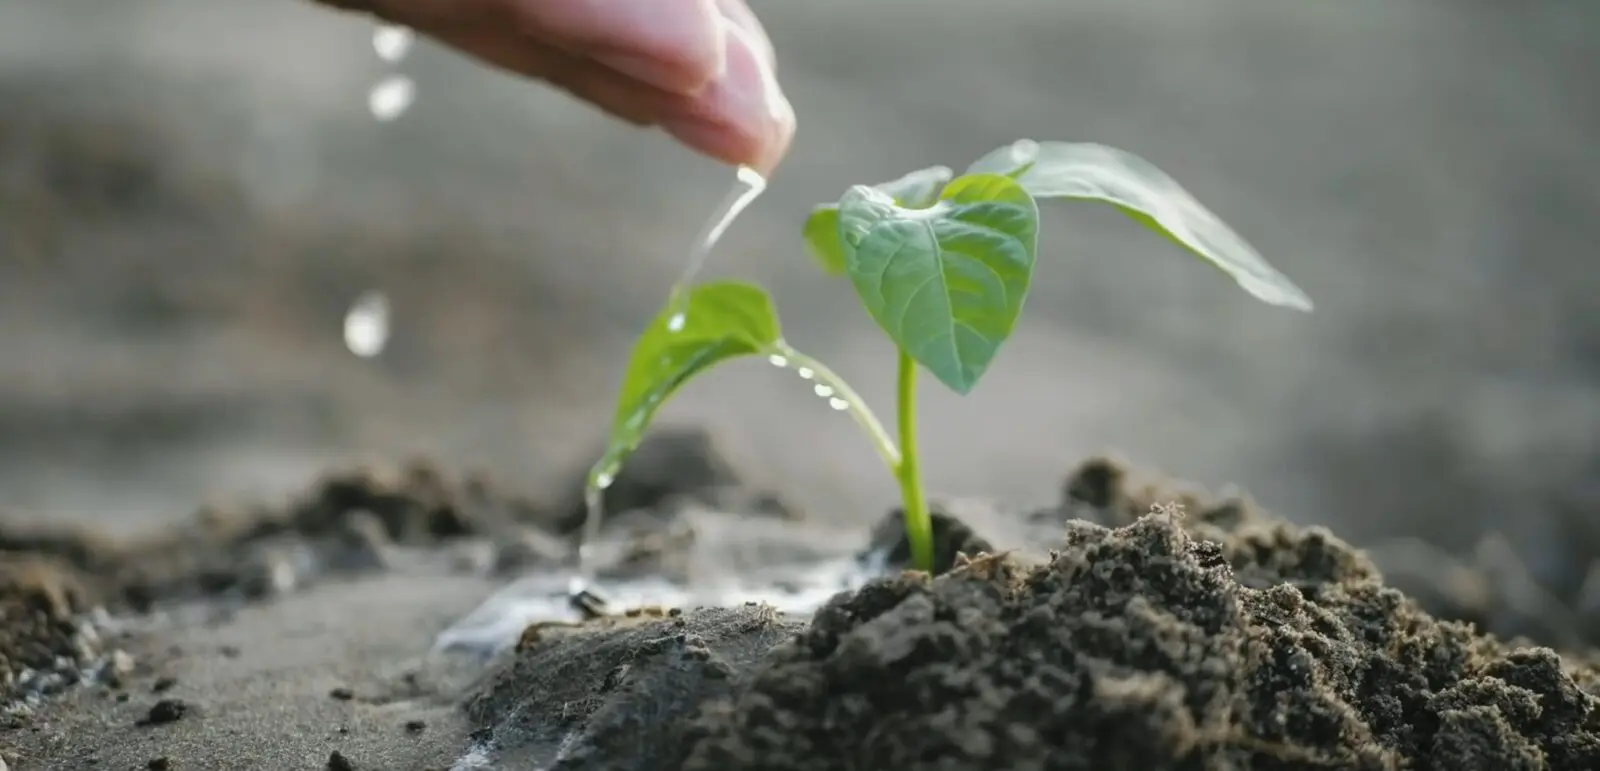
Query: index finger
(674, 45)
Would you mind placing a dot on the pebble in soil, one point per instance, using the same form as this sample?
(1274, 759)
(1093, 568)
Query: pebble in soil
(1225, 639)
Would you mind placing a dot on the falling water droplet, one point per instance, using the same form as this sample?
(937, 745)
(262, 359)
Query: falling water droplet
(823, 391)
(675, 324)
(805, 373)
(366, 325)
(777, 360)
(391, 97)
(392, 41)
(838, 404)
(603, 480)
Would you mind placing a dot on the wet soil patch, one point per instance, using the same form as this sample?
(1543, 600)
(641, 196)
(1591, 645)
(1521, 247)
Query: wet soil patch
(52, 581)
(1206, 635)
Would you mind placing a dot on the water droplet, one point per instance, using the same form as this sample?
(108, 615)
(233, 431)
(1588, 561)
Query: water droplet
(805, 373)
(838, 404)
(366, 325)
(778, 360)
(392, 41)
(391, 97)
(1024, 152)
(675, 324)
(603, 480)
(823, 391)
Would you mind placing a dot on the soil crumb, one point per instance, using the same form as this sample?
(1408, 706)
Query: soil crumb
(1165, 631)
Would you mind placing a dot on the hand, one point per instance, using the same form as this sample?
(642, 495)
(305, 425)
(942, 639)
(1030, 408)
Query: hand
(700, 69)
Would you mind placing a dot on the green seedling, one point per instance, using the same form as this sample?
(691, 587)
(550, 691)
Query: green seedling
(943, 264)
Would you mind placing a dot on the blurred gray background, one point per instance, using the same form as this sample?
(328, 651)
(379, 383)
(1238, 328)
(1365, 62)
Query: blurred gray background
(192, 193)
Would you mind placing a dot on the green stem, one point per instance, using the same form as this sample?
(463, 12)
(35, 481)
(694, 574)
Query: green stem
(919, 527)
(856, 405)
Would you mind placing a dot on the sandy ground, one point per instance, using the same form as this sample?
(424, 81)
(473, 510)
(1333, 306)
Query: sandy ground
(191, 195)
(258, 687)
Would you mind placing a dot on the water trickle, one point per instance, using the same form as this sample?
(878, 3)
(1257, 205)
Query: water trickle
(366, 324)
(747, 186)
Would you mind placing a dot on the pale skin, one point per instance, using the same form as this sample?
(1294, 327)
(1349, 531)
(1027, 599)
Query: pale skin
(702, 70)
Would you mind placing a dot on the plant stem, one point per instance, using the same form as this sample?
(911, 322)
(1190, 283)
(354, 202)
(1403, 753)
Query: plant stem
(919, 528)
(856, 406)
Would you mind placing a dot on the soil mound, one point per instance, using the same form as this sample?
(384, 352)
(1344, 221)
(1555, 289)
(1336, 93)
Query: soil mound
(1218, 638)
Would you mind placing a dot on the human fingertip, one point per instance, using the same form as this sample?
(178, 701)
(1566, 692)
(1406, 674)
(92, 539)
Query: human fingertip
(686, 74)
(678, 47)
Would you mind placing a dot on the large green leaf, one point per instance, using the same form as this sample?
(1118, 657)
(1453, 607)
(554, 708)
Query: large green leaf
(705, 326)
(917, 190)
(946, 282)
(1096, 172)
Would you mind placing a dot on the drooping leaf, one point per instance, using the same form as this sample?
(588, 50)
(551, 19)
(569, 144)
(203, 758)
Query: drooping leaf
(709, 324)
(1095, 172)
(946, 282)
(917, 190)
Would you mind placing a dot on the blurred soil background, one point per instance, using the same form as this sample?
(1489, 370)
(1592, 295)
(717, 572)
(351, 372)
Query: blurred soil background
(193, 193)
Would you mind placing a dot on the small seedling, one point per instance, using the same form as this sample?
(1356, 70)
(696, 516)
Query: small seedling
(943, 264)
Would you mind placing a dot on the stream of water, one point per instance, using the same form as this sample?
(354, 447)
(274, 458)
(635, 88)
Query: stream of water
(748, 184)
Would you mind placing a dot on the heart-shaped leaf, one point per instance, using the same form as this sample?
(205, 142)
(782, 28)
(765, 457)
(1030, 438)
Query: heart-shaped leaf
(705, 326)
(1096, 172)
(917, 190)
(946, 282)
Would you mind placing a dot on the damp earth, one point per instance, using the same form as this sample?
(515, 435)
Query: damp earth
(1137, 622)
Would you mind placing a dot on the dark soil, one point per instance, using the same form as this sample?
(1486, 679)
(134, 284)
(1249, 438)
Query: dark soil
(1207, 635)
(1223, 639)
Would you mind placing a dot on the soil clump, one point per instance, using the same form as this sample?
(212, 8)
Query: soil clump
(1206, 635)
